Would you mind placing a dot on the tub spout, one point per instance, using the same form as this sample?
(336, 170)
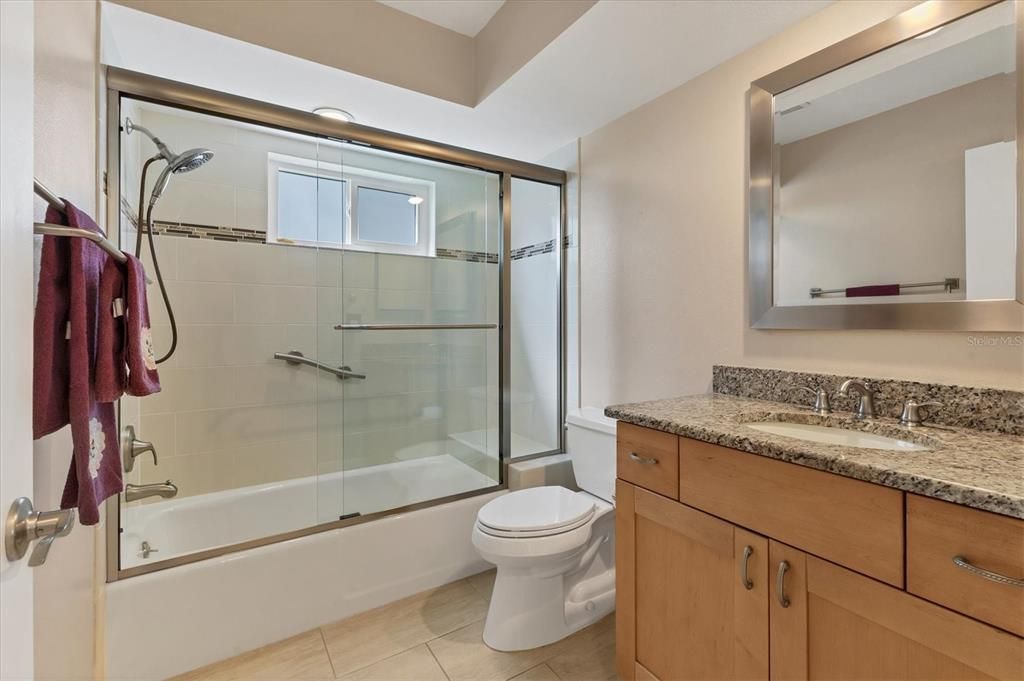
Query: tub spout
(161, 489)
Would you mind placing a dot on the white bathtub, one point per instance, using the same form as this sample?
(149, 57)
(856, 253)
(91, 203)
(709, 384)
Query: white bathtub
(170, 621)
(181, 526)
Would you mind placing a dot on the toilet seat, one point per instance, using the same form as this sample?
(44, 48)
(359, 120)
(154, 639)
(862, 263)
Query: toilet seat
(536, 512)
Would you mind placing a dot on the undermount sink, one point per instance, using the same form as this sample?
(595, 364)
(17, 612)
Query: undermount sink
(836, 436)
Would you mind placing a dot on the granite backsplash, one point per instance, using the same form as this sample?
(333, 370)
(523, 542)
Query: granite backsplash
(987, 409)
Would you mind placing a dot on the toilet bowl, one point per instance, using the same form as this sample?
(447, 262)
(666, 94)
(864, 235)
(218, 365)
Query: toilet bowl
(554, 548)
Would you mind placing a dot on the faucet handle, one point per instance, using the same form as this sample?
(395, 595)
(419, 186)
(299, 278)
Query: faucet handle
(132, 447)
(822, 403)
(911, 415)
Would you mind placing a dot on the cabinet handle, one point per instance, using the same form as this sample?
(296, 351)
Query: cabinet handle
(640, 459)
(747, 583)
(780, 584)
(965, 564)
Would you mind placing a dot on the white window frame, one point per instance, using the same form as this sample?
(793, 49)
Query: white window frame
(354, 178)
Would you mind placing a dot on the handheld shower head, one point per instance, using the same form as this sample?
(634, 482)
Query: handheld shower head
(176, 163)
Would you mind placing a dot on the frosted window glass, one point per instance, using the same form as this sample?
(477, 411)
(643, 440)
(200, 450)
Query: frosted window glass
(310, 208)
(385, 217)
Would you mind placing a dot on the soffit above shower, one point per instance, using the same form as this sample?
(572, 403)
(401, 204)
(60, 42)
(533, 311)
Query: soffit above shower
(596, 62)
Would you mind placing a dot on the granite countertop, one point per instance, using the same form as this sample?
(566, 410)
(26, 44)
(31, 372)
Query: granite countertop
(974, 468)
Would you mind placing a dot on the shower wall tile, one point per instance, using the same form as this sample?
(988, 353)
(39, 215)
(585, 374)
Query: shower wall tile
(194, 303)
(206, 431)
(185, 389)
(193, 475)
(258, 304)
(159, 429)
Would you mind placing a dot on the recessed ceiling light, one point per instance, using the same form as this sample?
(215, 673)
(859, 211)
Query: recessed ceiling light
(929, 34)
(415, 200)
(334, 114)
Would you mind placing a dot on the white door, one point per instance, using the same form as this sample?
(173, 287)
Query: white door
(16, 306)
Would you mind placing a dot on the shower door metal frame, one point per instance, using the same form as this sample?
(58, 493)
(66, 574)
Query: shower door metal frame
(123, 83)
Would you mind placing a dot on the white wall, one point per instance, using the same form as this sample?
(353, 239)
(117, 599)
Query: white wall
(663, 250)
(65, 149)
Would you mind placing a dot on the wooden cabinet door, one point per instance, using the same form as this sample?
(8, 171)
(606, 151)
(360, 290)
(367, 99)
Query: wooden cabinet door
(828, 622)
(684, 610)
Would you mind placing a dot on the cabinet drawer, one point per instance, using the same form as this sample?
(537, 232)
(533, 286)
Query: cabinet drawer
(648, 458)
(850, 522)
(938, 532)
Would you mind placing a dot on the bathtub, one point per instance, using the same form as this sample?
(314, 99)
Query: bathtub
(170, 621)
(182, 526)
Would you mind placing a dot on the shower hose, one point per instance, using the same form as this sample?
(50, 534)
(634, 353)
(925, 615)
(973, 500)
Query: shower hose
(152, 252)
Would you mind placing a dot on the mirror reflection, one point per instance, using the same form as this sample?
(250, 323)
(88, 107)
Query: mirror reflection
(896, 176)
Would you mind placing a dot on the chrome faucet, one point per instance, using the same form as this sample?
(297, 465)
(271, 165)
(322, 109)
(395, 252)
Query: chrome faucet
(866, 403)
(161, 489)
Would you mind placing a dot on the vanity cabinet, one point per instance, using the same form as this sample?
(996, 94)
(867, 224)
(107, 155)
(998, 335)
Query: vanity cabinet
(753, 568)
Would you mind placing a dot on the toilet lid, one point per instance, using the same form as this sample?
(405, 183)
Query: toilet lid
(537, 510)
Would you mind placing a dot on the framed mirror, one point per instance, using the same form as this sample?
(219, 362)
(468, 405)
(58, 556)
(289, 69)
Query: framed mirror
(885, 186)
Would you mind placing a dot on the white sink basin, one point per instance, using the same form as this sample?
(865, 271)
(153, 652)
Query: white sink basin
(835, 436)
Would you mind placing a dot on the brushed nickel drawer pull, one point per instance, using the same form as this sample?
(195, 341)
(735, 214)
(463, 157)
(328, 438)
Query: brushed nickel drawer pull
(747, 583)
(780, 584)
(965, 564)
(644, 460)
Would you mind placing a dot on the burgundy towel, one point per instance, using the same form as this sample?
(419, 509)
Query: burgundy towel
(66, 334)
(111, 372)
(139, 354)
(875, 290)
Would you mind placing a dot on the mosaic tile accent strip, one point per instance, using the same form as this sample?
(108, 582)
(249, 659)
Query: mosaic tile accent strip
(238, 234)
(988, 409)
(467, 256)
(533, 249)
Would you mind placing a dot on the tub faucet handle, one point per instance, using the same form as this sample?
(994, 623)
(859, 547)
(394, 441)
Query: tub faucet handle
(132, 447)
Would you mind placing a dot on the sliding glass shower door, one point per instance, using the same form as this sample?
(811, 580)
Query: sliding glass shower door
(411, 312)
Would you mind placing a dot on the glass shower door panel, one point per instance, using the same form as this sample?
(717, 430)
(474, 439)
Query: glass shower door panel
(535, 339)
(417, 316)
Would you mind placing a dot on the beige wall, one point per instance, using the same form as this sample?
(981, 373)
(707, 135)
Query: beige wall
(65, 148)
(663, 247)
(896, 180)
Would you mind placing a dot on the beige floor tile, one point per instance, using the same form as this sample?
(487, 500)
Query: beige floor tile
(484, 583)
(587, 655)
(301, 657)
(378, 634)
(465, 657)
(541, 672)
(416, 664)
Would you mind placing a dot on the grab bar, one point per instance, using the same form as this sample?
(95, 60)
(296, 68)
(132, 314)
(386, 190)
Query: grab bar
(296, 357)
(409, 327)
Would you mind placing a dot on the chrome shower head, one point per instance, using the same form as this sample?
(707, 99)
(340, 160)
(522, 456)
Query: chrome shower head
(176, 163)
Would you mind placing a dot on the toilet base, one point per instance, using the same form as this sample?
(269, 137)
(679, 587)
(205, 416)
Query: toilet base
(533, 607)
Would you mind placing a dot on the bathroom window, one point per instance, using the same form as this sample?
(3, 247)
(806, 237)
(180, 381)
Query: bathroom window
(331, 206)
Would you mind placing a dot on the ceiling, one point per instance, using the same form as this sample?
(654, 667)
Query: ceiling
(467, 17)
(616, 57)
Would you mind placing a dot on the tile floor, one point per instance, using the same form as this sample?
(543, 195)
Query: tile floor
(431, 636)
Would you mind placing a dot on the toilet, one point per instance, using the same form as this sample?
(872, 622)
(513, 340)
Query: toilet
(554, 548)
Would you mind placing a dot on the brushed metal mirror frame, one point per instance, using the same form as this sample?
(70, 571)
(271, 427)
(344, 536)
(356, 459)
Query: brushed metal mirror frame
(974, 315)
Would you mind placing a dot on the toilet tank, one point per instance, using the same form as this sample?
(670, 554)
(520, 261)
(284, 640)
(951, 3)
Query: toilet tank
(590, 443)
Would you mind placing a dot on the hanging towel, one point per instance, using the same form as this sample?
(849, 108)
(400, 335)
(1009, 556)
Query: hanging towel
(876, 290)
(139, 353)
(66, 334)
(111, 370)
